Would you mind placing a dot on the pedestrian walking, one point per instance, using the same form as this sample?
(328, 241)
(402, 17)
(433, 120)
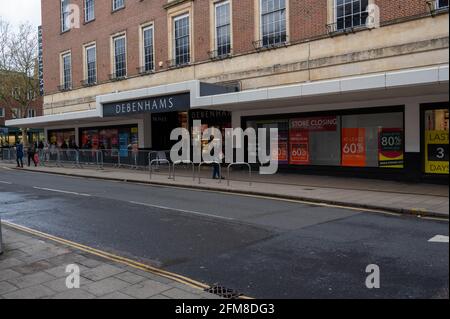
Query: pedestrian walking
(31, 154)
(19, 154)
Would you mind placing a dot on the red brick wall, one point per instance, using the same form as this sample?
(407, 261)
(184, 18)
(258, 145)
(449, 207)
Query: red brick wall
(391, 10)
(36, 105)
(308, 19)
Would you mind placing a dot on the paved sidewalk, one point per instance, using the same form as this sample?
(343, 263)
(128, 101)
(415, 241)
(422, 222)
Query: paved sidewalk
(418, 199)
(34, 268)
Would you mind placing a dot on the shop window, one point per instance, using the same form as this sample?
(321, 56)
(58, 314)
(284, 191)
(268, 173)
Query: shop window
(314, 141)
(372, 140)
(436, 148)
(61, 138)
(280, 154)
(114, 139)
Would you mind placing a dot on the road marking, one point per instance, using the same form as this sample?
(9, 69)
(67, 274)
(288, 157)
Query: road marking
(61, 191)
(7, 183)
(181, 210)
(439, 239)
(112, 257)
(9, 169)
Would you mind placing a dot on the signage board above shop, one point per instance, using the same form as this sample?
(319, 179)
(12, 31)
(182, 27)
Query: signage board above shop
(159, 104)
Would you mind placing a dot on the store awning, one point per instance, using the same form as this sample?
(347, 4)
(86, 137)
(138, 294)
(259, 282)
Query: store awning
(431, 80)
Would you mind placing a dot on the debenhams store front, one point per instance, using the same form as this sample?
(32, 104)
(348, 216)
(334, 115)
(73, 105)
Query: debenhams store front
(390, 125)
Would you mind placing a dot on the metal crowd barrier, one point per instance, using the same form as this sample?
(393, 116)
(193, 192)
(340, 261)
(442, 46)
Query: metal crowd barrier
(1, 238)
(187, 162)
(158, 162)
(8, 154)
(209, 163)
(240, 164)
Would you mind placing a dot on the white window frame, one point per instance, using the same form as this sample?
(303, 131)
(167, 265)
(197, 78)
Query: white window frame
(335, 5)
(261, 27)
(63, 75)
(114, 39)
(16, 113)
(64, 27)
(86, 19)
(115, 7)
(87, 47)
(174, 42)
(31, 113)
(144, 28)
(438, 5)
(216, 6)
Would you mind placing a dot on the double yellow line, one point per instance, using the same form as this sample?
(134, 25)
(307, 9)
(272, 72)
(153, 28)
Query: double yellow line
(129, 262)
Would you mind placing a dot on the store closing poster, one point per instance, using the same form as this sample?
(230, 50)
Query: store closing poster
(300, 136)
(354, 147)
(390, 148)
(436, 152)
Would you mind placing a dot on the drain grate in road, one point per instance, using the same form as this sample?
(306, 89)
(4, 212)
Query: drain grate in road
(223, 292)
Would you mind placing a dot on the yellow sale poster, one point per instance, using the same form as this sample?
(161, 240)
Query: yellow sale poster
(436, 152)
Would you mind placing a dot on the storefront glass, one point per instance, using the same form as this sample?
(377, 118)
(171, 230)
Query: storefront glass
(61, 138)
(372, 140)
(359, 140)
(123, 138)
(220, 120)
(436, 148)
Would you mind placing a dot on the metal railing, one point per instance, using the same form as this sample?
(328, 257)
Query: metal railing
(1, 238)
(209, 163)
(240, 164)
(159, 162)
(185, 162)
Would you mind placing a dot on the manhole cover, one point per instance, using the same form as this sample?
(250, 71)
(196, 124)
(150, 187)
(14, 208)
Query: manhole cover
(223, 292)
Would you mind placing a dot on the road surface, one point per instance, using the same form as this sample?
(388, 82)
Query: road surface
(261, 247)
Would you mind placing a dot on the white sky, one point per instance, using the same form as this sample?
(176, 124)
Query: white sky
(20, 11)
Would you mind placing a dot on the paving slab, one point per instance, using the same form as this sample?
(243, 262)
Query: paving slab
(99, 277)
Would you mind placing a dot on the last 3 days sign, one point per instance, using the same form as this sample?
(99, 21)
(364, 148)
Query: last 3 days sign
(436, 152)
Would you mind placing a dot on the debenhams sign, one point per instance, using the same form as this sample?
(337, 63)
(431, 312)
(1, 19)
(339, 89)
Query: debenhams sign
(160, 104)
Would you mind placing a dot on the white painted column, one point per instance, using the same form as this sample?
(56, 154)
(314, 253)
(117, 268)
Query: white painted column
(141, 133)
(236, 119)
(77, 136)
(412, 128)
(147, 131)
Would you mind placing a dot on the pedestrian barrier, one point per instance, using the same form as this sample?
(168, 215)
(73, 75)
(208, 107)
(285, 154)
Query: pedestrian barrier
(209, 163)
(1, 238)
(158, 162)
(240, 164)
(187, 162)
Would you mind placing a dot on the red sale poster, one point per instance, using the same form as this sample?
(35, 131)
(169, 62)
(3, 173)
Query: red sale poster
(299, 147)
(354, 147)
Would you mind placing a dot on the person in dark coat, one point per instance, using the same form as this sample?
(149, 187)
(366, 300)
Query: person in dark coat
(19, 154)
(31, 153)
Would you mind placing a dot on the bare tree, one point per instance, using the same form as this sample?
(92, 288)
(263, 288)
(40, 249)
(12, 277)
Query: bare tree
(19, 79)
